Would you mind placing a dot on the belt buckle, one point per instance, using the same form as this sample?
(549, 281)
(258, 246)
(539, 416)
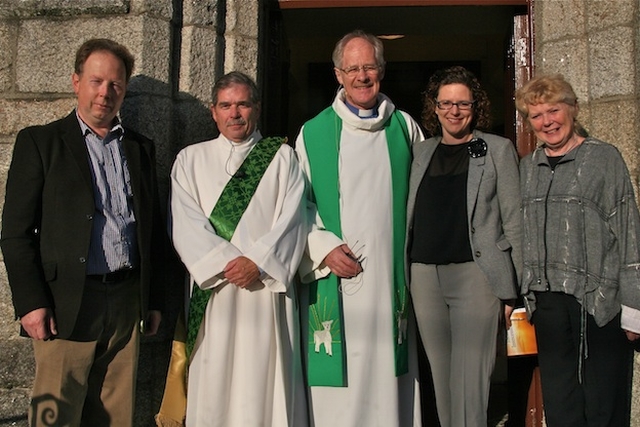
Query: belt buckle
(117, 276)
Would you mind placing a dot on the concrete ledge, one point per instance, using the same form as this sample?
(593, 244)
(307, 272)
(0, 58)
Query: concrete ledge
(13, 407)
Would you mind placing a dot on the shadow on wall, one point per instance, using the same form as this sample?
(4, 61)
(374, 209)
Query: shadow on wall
(172, 121)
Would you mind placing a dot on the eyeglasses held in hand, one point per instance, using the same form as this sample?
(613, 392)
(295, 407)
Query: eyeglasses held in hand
(462, 105)
(354, 70)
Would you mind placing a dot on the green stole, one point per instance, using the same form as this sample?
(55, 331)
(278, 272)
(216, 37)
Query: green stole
(226, 215)
(322, 140)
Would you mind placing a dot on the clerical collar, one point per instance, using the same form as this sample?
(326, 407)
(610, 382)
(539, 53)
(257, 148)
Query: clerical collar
(363, 114)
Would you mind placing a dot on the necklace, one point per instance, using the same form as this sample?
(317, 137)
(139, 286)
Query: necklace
(228, 162)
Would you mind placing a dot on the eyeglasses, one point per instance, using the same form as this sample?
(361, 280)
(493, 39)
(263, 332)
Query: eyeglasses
(354, 70)
(462, 105)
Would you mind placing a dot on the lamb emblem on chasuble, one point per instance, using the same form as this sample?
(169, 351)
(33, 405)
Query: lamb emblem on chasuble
(323, 337)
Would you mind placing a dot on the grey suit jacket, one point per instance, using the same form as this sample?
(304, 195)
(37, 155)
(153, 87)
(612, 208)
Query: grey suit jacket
(493, 208)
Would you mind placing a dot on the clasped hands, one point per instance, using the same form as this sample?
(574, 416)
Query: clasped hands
(342, 262)
(241, 271)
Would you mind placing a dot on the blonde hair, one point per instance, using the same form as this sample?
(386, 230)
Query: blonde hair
(548, 89)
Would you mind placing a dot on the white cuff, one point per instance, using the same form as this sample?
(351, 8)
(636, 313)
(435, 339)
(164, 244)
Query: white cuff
(630, 319)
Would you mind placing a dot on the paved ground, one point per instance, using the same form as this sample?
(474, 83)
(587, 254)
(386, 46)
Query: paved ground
(153, 361)
(14, 403)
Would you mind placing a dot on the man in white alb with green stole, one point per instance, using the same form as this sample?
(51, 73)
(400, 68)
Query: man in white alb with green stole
(237, 209)
(360, 350)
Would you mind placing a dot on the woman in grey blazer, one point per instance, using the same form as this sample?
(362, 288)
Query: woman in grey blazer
(464, 233)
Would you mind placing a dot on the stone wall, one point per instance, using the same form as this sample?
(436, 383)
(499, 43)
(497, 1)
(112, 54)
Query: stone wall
(181, 48)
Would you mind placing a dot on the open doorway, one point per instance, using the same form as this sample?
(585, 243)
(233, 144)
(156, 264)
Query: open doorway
(299, 81)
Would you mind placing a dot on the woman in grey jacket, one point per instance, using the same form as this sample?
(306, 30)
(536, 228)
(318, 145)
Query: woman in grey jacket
(465, 232)
(581, 278)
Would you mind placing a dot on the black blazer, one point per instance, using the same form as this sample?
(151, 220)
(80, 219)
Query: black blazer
(47, 217)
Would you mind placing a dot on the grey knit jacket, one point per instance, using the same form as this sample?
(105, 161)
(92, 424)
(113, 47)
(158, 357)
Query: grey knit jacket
(581, 229)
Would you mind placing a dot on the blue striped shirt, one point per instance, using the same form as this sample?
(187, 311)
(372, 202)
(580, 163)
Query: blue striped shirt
(113, 243)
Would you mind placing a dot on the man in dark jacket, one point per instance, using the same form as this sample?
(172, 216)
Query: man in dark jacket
(80, 231)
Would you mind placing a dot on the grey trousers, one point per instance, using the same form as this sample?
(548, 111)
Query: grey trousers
(457, 316)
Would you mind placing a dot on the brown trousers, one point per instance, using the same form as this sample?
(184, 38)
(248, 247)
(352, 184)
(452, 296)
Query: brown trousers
(90, 380)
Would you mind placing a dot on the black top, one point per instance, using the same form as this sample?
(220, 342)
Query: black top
(440, 228)
(554, 160)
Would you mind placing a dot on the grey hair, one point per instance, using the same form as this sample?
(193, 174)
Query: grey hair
(378, 48)
(235, 78)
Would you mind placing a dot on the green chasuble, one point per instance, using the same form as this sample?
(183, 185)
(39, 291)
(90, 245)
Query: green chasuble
(322, 140)
(226, 215)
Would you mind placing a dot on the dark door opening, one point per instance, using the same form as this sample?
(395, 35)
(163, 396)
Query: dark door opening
(299, 81)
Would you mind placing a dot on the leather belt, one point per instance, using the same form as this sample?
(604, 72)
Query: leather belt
(114, 276)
